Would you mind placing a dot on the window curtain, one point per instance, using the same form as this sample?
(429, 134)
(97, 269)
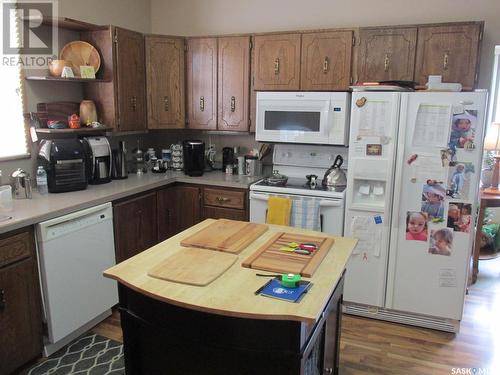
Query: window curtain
(494, 111)
(13, 139)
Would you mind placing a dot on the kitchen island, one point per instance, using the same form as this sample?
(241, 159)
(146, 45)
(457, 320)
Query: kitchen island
(223, 327)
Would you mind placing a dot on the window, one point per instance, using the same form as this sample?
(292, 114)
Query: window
(13, 141)
(494, 115)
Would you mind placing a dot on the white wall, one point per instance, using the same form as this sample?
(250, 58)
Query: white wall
(130, 14)
(214, 17)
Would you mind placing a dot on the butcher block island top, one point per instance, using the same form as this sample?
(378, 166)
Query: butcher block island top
(233, 292)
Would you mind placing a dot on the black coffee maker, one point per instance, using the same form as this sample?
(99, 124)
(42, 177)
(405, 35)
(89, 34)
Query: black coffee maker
(99, 154)
(194, 157)
(227, 158)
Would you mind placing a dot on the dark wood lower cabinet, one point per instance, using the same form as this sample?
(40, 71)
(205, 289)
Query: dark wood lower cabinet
(160, 337)
(225, 203)
(224, 213)
(178, 208)
(135, 225)
(20, 302)
(146, 219)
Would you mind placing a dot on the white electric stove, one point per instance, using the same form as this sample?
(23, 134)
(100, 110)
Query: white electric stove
(296, 162)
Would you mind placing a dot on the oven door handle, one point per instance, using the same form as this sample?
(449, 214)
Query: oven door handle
(322, 203)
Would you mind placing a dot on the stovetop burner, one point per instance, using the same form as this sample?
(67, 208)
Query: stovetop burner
(302, 184)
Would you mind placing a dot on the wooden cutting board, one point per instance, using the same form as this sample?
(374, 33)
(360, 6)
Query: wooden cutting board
(269, 257)
(230, 236)
(59, 111)
(193, 266)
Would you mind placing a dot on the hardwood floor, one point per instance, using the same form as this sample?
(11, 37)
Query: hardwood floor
(374, 347)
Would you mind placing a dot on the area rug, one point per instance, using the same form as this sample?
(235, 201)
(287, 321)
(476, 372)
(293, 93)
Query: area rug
(90, 354)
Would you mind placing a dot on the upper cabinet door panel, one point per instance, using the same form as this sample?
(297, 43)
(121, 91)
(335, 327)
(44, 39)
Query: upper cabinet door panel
(277, 62)
(234, 77)
(202, 83)
(131, 77)
(165, 82)
(387, 54)
(326, 61)
(449, 51)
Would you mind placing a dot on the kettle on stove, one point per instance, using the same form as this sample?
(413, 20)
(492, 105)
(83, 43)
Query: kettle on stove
(335, 177)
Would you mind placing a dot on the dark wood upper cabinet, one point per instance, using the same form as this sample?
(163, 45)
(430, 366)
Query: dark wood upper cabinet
(277, 62)
(233, 83)
(20, 302)
(326, 60)
(387, 54)
(201, 71)
(165, 82)
(131, 78)
(179, 208)
(451, 51)
(135, 225)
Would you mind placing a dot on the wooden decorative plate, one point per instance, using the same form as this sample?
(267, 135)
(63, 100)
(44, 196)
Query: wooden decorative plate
(80, 53)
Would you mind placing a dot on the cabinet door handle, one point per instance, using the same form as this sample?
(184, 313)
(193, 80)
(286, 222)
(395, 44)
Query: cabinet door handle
(2, 299)
(169, 216)
(445, 60)
(133, 103)
(222, 199)
(165, 103)
(387, 61)
(233, 104)
(325, 64)
(276, 65)
(202, 103)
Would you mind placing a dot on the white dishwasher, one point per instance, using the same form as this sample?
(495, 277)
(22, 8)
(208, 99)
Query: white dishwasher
(73, 252)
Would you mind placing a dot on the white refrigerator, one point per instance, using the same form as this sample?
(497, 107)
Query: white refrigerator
(413, 180)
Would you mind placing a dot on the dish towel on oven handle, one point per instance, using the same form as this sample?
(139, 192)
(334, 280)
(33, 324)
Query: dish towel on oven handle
(305, 213)
(278, 210)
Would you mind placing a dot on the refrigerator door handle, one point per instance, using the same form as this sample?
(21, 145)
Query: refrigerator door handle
(393, 239)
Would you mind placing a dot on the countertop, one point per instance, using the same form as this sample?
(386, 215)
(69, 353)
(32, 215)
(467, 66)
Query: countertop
(232, 294)
(44, 207)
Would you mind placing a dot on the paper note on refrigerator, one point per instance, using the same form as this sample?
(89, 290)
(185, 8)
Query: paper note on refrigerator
(373, 119)
(428, 168)
(447, 278)
(432, 125)
(368, 233)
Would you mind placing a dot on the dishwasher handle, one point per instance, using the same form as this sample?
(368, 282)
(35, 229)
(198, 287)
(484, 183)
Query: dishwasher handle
(323, 202)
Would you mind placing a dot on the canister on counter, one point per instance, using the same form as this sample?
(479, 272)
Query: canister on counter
(253, 166)
(241, 165)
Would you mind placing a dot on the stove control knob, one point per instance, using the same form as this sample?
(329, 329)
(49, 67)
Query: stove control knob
(288, 154)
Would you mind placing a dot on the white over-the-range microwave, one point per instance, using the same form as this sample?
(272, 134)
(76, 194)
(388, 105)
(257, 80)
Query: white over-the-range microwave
(303, 117)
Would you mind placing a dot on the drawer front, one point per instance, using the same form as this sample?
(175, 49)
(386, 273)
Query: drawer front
(224, 213)
(16, 247)
(224, 198)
